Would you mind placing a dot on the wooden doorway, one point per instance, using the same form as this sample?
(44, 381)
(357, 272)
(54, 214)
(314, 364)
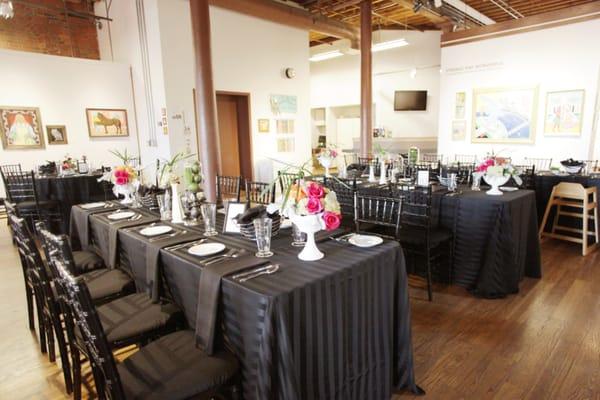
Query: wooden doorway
(235, 135)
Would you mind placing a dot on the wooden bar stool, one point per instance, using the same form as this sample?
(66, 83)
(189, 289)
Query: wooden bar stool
(584, 200)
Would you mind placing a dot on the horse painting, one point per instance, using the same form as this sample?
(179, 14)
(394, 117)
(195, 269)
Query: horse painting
(106, 123)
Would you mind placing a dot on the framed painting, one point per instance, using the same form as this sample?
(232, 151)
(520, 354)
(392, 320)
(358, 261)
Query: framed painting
(564, 113)
(283, 104)
(104, 122)
(21, 128)
(459, 129)
(263, 125)
(504, 115)
(56, 134)
(459, 105)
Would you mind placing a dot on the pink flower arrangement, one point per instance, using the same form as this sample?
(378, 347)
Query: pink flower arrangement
(123, 175)
(483, 167)
(314, 199)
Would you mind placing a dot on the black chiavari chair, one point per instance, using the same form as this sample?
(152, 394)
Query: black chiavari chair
(365, 161)
(464, 173)
(412, 170)
(3, 213)
(29, 287)
(169, 367)
(228, 188)
(132, 319)
(380, 213)
(10, 168)
(286, 179)
(21, 190)
(431, 158)
(527, 175)
(260, 192)
(540, 164)
(590, 166)
(419, 238)
(465, 158)
(48, 310)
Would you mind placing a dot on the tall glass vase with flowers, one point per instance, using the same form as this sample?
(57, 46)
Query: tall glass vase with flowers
(326, 158)
(169, 178)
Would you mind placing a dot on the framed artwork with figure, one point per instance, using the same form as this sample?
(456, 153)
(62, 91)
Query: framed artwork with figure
(104, 122)
(56, 134)
(21, 128)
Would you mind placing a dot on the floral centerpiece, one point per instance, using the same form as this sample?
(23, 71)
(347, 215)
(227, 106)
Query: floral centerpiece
(123, 177)
(312, 207)
(496, 171)
(68, 166)
(170, 178)
(326, 157)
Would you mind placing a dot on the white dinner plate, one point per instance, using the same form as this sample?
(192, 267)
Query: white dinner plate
(120, 215)
(89, 206)
(365, 240)
(508, 188)
(285, 224)
(156, 230)
(206, 249)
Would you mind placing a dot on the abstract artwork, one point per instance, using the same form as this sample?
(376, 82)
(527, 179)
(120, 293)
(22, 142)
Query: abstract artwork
(56, 134)
(107, 122)
(263, 125)
(504, 115)
(564, 111)
(21, 128)
(283, 104)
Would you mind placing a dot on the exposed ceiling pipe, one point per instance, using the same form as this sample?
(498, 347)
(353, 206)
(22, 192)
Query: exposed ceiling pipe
(470, 11)
(507, 8)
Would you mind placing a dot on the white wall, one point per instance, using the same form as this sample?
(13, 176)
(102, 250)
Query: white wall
(62, 88)
(249, 56)
(336, 82)
(561, 58)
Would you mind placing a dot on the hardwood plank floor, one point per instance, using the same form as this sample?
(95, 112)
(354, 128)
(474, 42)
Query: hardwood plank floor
(542, 343)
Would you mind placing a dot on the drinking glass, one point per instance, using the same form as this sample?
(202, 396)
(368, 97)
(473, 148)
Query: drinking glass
(164, 206)
(209, 216)
(262, 228)
(476, 181)
(452, 183)
(298, 237)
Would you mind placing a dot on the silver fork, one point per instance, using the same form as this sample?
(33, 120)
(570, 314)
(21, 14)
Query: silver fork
(230, 254)
(182, 245)
(161, 237)
(275, 268)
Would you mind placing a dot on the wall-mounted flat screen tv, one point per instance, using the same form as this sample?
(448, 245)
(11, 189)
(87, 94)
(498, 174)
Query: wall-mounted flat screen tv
(410, 100)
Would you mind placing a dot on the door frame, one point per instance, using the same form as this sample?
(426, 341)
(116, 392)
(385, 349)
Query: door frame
(249, 167)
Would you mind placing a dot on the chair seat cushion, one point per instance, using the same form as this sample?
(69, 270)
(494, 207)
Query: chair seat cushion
(135, 315)
(173, 368)
(107, 282)
(416, 237)
(30, 204)
(86, 261)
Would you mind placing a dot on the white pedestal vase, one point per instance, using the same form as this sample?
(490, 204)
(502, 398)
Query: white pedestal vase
(126, 191)
(495, 182)
(382, 174)
(308, 224)
(341, 163)
(176, 211)
(372, 173)
(326, 163)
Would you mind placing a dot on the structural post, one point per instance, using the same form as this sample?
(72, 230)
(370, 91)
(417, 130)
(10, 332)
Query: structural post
(206, 109)
(366, 88)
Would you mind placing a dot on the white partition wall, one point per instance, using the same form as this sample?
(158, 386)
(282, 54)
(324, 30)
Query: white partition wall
(555, 59)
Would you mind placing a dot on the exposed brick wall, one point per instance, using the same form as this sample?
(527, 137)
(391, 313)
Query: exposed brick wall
(45, 31)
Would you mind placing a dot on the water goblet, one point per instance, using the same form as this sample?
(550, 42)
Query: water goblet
(262, 229)
(209, 216)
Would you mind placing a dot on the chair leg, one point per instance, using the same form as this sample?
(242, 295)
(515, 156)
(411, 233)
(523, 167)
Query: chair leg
(429, 293)
(64, 355)
(30, 313)
(76, 361)
(41, 326)
(50, 337)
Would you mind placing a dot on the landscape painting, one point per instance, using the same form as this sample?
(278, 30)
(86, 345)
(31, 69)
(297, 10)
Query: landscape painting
(564, 112)
(107, 122)
(504, 115)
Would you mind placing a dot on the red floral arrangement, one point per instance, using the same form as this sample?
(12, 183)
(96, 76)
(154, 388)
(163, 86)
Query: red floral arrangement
(312, 198)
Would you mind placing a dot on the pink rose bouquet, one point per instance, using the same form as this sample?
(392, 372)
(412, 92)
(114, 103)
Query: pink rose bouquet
(313, 199)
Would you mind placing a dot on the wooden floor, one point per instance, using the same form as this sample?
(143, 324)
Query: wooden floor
(543, 343)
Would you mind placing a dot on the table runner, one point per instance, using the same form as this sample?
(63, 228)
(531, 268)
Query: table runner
(79, 222)
(106, 233)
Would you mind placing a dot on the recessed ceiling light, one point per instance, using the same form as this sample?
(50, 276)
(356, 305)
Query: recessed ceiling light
(391, 44)
(326, 55)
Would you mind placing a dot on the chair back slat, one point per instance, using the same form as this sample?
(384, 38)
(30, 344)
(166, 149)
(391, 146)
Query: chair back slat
(416, 205)
(260, 192)
(344, 190)
(82, 312)
(379, 211)
(465, 158)
(286, 179)
(20, 186)
(228, 187)
(540, 164)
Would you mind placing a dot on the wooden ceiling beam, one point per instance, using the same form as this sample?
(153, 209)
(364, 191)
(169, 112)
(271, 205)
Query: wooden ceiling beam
(527, 24)
(291, 16)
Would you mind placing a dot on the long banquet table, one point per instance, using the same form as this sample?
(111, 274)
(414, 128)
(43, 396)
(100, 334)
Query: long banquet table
(495, 237)
(338, 328)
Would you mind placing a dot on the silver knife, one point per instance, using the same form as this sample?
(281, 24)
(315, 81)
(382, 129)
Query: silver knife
(252, 271)
(274, 268)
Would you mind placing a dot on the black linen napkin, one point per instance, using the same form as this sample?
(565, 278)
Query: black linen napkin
(113, 234)
(209, 293)
(80, 225)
